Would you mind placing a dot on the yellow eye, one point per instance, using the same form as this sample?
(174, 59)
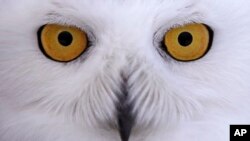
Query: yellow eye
(62, 43)
(189, 42)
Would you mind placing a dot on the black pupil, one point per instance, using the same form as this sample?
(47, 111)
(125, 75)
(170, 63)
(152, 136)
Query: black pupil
(65, 38)
(185, 39)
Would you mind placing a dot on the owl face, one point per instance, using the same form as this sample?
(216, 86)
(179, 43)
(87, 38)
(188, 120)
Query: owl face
(123, 70)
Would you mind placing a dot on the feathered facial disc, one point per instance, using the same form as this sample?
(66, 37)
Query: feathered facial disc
(123, 70)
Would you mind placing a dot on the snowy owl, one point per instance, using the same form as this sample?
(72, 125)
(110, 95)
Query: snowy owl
(123, 70)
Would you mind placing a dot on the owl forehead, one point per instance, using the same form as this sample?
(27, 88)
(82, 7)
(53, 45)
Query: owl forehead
(128, 12)
(123, 18)
(123, 5)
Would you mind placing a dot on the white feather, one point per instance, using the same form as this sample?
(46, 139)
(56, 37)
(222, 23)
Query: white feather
(43, 100)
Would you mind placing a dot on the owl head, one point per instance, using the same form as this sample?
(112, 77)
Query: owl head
(123, 70)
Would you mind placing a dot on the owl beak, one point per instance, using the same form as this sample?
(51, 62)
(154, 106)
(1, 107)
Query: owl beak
(125, 122)
(125, 117)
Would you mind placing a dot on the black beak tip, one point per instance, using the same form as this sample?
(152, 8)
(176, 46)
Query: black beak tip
(125, 117)
(125, 127)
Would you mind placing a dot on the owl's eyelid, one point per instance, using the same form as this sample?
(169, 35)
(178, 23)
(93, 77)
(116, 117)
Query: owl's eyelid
(194, 17)
(159, 34)
(56, 18)
(165, 28)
